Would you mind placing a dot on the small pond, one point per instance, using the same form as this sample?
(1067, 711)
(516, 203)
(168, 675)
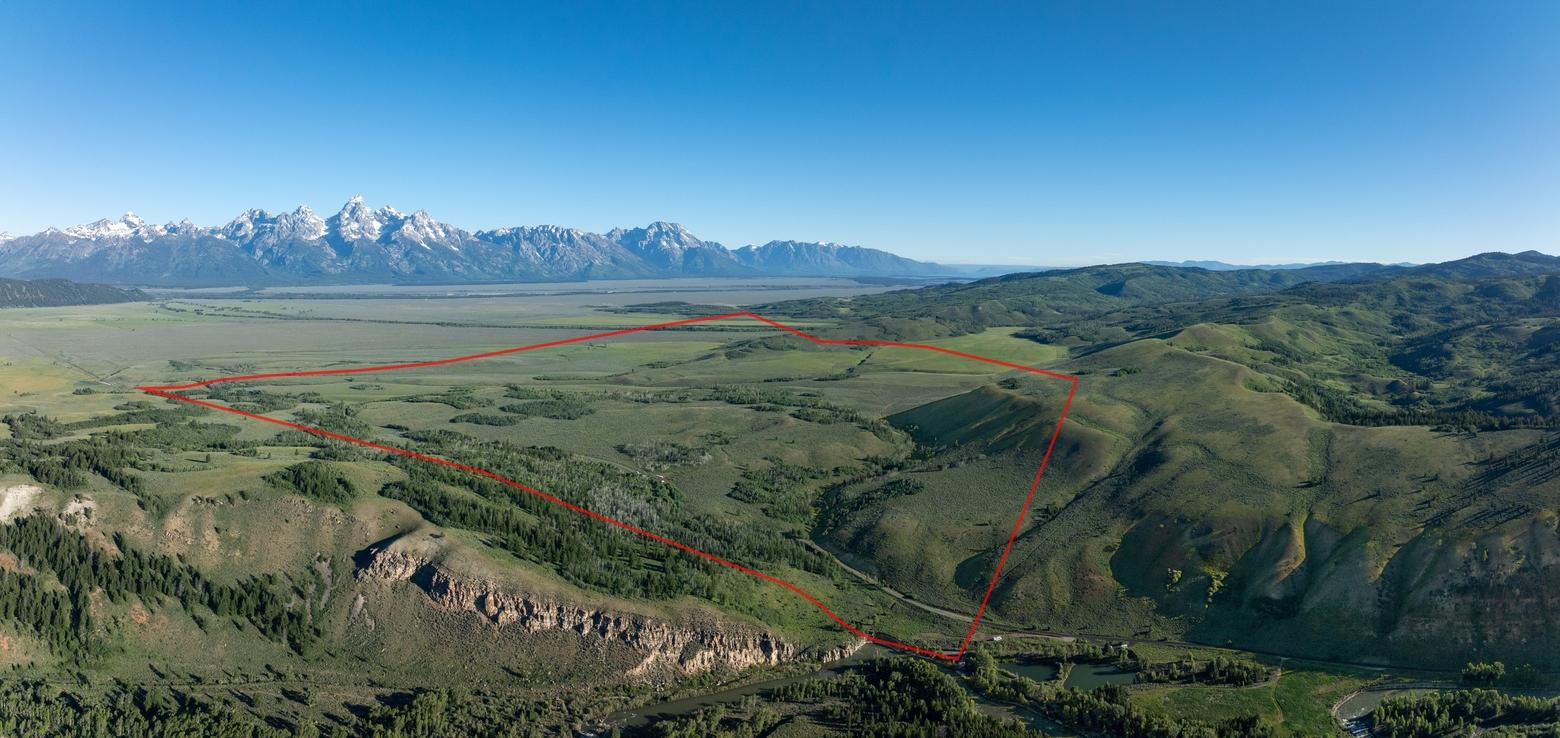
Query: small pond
(1093, 676)
(1038, 672)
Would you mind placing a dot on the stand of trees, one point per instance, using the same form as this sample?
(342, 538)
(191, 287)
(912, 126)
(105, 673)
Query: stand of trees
(33, 427)
(486, 419)
(1107, 712)
(1343, 407)
(316, 480)
(565, 408)
(55, 617)
(337, 417)
(38, 448)
(34, 708)
(660, 455)
(459, 398)
(900, 698)
(1495, 672)
(1458, 713)
(1217, 670)
(82, 568)
(588, 553)
(1488, 672)
(782, 489)
(808, 407)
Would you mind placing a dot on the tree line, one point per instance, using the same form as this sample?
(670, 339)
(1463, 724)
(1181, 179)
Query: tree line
(1460, 712)
(1217, 670)
(591, 554)
(35, 708)
(81, 568)
(902, 697)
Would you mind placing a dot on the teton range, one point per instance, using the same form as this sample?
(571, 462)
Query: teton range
(362, 244)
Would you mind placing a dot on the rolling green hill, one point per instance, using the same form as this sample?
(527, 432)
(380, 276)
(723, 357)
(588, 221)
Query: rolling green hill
(1470, 342)
(1408, 350)
(1344, 469)
(1043, 297)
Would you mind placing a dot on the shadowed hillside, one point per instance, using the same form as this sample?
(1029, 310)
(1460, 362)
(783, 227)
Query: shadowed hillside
(57, 292)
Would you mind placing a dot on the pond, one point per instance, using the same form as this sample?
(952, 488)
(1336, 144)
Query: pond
(1038, 672)
(1093, 676)
(1030, 716)
(1361, 703)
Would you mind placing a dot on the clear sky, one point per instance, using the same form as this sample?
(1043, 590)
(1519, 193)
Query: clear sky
(1030, 132)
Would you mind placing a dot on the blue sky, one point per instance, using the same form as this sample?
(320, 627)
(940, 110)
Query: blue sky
(1035, 133)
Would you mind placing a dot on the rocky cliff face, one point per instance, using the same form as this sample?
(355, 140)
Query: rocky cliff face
(689, 648)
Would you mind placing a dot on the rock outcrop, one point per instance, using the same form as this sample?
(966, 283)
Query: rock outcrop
(687, 647)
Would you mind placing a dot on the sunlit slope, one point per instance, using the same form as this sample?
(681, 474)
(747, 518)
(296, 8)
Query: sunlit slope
(1038, 298)
(1188, 495)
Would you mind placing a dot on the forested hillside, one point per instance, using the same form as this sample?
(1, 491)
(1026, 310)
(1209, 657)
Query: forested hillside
(1030, 298)
(56, 292)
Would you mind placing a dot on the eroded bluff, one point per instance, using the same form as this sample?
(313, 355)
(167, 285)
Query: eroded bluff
(689, 647)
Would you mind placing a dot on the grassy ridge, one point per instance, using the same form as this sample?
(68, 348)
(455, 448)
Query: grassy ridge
(1342, 469)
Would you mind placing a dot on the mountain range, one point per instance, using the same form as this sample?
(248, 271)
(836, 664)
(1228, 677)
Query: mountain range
(361, 244)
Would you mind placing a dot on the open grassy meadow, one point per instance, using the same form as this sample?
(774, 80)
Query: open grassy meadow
(726, 434)
(1200, 491)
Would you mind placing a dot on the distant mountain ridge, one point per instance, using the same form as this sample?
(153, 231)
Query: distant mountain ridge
(1224, 266)
(361, 244)
(1025, 298)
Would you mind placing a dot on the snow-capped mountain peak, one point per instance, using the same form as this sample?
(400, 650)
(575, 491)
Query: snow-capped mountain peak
(358, 243)
(661, 242)
(420, 228)
(256, 225)
(127, 226)
(356, 222)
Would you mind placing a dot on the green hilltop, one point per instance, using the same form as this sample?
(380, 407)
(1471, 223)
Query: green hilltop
(1361, 465)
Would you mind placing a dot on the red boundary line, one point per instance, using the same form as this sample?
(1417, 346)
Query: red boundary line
(170, 392)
